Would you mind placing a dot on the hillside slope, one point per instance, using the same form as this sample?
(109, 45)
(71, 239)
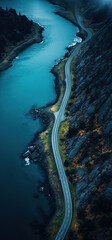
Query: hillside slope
(88, 142)
(89, 138)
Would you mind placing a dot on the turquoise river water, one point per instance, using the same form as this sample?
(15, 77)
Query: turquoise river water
(29, 82)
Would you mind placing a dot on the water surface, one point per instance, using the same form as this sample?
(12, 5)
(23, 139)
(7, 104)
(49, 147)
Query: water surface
(29, 82)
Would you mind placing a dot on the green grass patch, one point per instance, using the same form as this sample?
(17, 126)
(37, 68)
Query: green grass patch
(64, 126)
(60, 71)
(56, 222)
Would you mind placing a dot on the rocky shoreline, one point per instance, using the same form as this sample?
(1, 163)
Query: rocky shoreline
(35, 151)
(35, 154)
(88, 141)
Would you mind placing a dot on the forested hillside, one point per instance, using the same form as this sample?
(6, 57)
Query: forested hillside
(13, 28)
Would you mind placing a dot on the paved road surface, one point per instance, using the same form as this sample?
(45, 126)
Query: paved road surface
(59, 116)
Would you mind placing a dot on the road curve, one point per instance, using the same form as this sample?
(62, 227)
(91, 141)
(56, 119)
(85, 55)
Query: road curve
(59, 116)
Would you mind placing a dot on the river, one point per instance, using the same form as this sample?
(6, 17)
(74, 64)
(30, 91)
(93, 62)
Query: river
(28, 83)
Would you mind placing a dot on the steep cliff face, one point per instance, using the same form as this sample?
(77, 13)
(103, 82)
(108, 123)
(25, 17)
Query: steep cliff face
(89, 138)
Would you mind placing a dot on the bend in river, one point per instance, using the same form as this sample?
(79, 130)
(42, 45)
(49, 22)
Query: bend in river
(28, 83)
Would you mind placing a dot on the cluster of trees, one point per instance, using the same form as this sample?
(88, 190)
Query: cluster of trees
(13, 27)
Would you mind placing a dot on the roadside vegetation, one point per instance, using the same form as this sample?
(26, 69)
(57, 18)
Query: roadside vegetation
(64, 127)
(56, 222)
(59, 72)
(54, 226)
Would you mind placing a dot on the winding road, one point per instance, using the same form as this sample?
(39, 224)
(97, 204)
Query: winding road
(59, 116)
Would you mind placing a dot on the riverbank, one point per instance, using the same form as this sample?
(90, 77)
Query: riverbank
(35, 153)
(59, 70)
(68, 12)
(13, 50)
(45, 138)
(41, 154)
(41, 151)
(37, 159)
(59, 73)
(33, 158)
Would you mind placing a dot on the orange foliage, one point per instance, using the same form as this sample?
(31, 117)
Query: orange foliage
(77, 157)
(79, 236)
(98, 130)
(101, 188)
(80, 179)
(107, 233)
(92, 162)
(87, 210)
(105, 149)
(82, 132)
(89, 216)
(76, 227)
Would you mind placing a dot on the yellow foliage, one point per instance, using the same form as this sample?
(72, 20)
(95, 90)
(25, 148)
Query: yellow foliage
(82, 132)
(87, 210)
(105, 149)
(53, 109)
(98, 130)
(76, 227)
(5, 61)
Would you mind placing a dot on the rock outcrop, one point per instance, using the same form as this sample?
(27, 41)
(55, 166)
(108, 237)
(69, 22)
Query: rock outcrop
(89, 138)
(88, 142)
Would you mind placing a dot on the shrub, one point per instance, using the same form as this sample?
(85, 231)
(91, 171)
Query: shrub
(88, 166)
(104, 156)
(85, 152)
(105, 221)
(81, 213)
(71, 179)
(72, 235)
(67, 173)
(101, 204)
(86, 227)
(72, 131)
(66, 163)
(82, 125)
(94, 137)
